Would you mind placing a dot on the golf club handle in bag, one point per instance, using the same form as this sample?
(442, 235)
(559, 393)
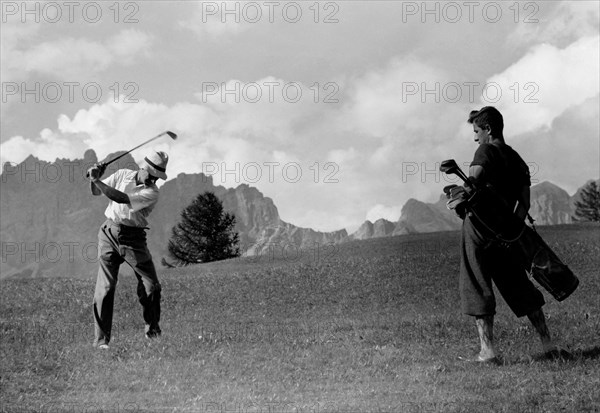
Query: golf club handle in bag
(532, 252)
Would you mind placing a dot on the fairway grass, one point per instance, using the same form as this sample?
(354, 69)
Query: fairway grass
(367, 326)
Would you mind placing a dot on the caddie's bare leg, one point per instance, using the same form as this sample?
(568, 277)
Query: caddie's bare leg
(485, 327)
(538, 320)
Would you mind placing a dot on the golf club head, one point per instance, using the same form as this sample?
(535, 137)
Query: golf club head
(448, 189)
(171, 135)
(448, 166)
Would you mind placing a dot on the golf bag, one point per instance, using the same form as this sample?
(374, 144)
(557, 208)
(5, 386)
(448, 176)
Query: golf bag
(544, 266)
(523, 242)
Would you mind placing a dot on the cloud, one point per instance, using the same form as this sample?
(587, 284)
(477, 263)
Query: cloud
(397, 134)
(48, 146)
(71, 58)
(342, 156)
(547, 81)
(382, 102)
(270, 112)
(233, 138)
(567, 152)
(390, 213)
(208, 20)
(566, 22)
(129, 44)
(14, 59)
(371, 135)
(223, 130)
(110, 127)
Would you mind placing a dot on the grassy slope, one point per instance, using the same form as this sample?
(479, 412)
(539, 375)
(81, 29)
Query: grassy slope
(371, 326)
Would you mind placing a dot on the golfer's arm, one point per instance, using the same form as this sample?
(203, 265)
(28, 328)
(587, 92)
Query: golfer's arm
(523, 203)
(94, 189)
(112, 193)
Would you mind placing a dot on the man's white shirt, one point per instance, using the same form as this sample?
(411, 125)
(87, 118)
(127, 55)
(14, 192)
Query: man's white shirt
(142, 199)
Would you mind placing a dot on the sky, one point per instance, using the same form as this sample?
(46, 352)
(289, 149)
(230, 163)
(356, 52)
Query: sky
(339, 111)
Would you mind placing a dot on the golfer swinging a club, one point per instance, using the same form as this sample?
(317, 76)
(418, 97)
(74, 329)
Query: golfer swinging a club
(483, 258)
(122, 238)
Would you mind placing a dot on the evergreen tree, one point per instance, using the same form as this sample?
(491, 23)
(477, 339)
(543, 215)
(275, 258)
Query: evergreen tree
(588, 208)
(205, 233)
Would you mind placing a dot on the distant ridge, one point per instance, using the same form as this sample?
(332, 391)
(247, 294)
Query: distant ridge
(550, 205)
(50, 220)
(50, 223)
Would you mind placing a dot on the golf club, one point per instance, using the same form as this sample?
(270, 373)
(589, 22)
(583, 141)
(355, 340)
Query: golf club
(103, 165)
(451, 167)
(169, 133)
(448, 190)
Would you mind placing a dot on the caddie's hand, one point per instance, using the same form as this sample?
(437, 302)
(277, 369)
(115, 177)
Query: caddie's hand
(458, 200)
(455, 203)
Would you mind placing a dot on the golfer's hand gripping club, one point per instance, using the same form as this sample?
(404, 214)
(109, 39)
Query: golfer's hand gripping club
(96, 171)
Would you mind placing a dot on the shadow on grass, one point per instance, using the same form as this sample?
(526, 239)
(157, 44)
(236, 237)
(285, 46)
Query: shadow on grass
(590, 353)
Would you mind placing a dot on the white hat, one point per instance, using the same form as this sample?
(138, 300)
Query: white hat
(156, 164)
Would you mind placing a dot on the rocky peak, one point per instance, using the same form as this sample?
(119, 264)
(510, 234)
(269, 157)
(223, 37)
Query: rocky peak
(383, 228)
(550, 204)
(365, 231)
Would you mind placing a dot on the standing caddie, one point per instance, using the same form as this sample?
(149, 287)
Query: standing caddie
(499, 169)
(122, 238)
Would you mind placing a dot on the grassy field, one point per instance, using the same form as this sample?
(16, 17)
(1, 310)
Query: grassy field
(370, 326)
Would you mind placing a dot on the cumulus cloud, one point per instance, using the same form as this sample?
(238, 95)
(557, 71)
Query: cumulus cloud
(231, 140)
(381, 126)
(567, 152)
(48, 146)
(110, 127)
(566, 22)
(390, 213)
(400, 133)
(385, 101)
(269, 111)
(547, 81)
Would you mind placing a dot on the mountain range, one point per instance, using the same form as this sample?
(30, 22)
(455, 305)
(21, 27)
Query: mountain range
(50, 221)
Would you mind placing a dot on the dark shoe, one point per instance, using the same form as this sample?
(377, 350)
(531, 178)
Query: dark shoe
(152, 334)
(480, 360)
